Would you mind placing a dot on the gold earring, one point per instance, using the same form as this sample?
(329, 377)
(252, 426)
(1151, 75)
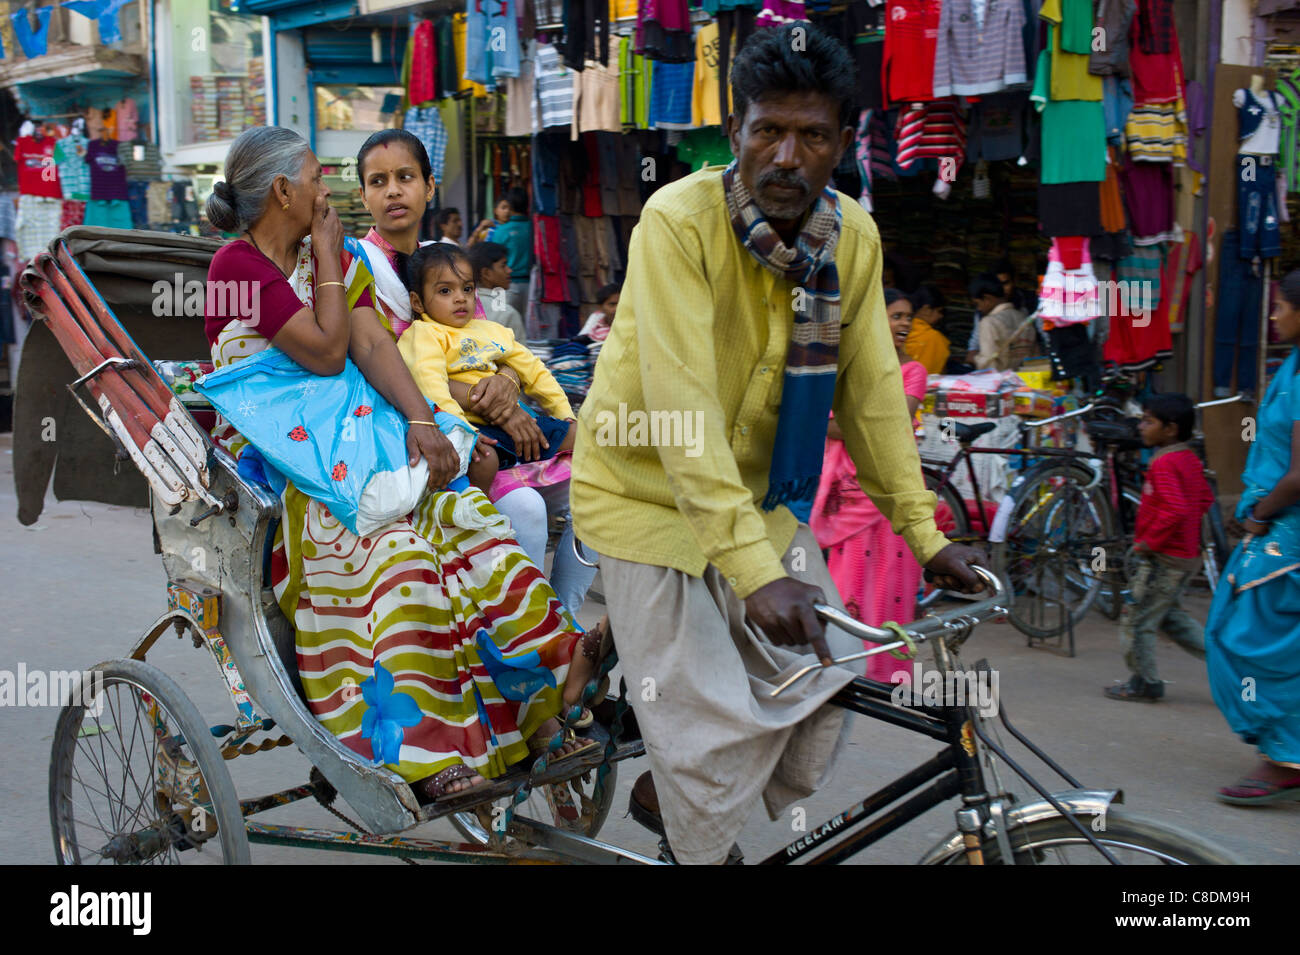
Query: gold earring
(285, 207)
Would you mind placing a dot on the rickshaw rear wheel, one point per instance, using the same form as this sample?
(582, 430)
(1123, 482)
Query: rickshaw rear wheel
(136, 778)
(548, 804)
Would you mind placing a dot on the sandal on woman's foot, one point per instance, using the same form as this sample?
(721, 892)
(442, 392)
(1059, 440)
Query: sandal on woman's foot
(539, 745)
(1249, 791)
(435, 787)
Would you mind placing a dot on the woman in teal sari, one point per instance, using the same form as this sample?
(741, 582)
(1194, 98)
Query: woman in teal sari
(1252, 637)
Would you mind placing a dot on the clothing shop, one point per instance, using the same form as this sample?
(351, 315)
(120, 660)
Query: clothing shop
(78, 118)
(1251, 218)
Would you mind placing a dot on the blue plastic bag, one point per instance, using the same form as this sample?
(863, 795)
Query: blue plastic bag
(330, 436)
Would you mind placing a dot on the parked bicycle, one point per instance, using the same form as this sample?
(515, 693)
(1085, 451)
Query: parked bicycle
(1063, 530)
(1112, 430)
(1035, 542)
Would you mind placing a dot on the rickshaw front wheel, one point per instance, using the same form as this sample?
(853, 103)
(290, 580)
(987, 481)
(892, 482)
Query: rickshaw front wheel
(136, 778)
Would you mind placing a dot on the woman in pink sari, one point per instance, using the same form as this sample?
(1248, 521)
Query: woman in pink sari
(873, 568)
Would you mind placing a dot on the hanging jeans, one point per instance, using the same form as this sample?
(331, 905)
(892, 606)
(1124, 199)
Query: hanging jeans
(1257, 207)
(742, 20)
(1237, 317)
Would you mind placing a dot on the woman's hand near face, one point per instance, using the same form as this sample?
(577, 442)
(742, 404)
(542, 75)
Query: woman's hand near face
(326, 231)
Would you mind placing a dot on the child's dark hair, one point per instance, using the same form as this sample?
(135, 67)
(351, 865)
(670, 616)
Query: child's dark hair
(518, 200)
(1289, 288)
(927, 296)
(1174, 408)
(485, 255)
(893, 295)
(434, 256)
(613, 288)
(386, 136)
(443, 215)
(986, 283)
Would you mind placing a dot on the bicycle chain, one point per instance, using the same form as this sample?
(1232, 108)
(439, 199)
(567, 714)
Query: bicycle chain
(325, 794)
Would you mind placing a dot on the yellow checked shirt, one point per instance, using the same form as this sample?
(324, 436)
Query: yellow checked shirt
(675, 437)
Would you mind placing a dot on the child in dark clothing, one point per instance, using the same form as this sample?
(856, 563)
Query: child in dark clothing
(1175, 496)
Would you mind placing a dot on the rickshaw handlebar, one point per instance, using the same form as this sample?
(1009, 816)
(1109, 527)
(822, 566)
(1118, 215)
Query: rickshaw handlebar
(958, 621)
(922, 629)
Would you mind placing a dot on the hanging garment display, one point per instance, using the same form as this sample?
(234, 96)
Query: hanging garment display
(33, 40)
(1073, 131)
(1069, 208)
(1149, 196)
(491, 42)
(1114, 18)
(427, 126)
(911, 37)
(996, 129)
(978, 48)
(1239, 300)
(586, 32)
(554, 88)
(736, 22)
(422, 86)
(1136, 340)
(663, 31)
(932, 130)
(670, 95)
(38, 222)
(1069, 296)
(38, 172)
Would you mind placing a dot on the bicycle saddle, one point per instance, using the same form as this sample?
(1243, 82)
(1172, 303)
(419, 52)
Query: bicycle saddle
(1122, 434)
(966, 433)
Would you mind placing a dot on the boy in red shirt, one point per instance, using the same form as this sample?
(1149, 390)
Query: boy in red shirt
(1175, 496)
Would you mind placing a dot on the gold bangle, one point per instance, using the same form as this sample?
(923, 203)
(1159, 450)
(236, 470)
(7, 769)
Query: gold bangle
(512, 381)
(431, 424)
(323, 284)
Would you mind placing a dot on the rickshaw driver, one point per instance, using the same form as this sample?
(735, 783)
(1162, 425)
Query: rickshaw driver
(710, 571)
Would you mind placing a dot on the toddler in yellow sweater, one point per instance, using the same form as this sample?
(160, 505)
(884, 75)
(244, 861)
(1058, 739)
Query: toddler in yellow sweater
(452, 354)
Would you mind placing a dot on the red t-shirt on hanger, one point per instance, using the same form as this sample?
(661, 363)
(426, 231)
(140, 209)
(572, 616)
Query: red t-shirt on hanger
(34, 158)
(911, 35)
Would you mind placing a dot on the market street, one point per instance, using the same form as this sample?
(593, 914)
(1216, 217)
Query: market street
(82, 584)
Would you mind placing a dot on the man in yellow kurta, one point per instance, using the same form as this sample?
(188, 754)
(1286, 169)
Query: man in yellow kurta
(704, 424)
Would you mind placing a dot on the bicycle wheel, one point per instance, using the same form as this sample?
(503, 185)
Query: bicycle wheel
(1132, 839)
(1114, 588)
(1054, 549)
(950, 511)
(548, 804)
(1214, 545)
(135, 777)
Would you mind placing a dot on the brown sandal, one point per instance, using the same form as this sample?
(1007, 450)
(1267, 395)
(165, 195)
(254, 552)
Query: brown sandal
(432, 788)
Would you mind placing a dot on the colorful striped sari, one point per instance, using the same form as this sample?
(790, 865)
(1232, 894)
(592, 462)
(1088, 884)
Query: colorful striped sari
(431, 642)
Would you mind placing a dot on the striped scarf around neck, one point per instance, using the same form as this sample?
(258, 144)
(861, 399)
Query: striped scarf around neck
(813, 356)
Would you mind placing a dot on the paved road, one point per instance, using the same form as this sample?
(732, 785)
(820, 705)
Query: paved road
(82, 585)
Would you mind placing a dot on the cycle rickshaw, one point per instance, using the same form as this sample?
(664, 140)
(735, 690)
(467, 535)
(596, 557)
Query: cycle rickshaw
(138, 776)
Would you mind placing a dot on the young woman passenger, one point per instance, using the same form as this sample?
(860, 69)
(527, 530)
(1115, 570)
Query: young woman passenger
(396, 186)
